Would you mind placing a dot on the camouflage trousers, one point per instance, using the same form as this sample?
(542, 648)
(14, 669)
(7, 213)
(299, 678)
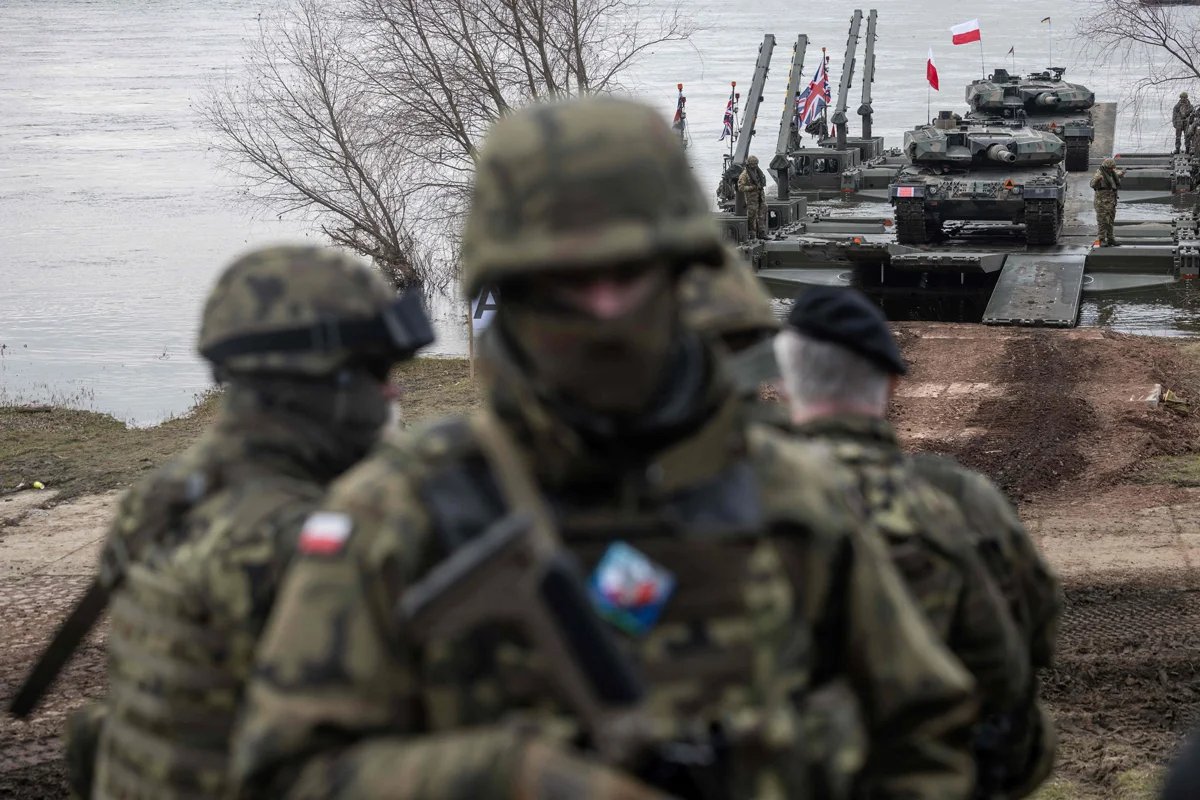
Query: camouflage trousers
(756, 217)
(1178, 136)
(1106, 214)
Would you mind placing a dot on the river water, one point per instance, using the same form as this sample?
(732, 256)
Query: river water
(116, 218)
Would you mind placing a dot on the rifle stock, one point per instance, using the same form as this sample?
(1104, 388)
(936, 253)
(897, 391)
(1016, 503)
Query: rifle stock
(512, 574)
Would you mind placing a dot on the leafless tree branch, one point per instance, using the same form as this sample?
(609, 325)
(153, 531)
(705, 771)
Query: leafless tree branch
(368, 114)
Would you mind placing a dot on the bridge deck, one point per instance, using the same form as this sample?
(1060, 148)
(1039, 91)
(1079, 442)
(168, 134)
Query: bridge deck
(1036, 289)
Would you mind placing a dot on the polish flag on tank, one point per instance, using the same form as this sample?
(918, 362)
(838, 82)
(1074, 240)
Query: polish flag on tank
(966, 32)
(931, 72)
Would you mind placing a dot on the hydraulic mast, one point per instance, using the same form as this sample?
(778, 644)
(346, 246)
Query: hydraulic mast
(788, 132)
(865, 111)
(761, 67)
(839, 114)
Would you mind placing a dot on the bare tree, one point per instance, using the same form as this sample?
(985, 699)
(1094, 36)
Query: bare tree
(368, 114)
(1158, 45)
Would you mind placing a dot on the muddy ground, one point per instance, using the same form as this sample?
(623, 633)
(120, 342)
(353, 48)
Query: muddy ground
(1102, 478)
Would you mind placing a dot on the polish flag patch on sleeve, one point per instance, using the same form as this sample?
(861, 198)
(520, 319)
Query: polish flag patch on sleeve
(325, 533)
(905, 191)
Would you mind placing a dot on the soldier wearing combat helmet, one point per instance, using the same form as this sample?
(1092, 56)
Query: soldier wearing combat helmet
(604, 583)
(303, 339)
(752, 183)
(1179, 116)
(1106, 183)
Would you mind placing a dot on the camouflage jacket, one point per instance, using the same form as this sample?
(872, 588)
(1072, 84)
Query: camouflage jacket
(752, 181)
(1106, 180)
(199, 547)
(777, 590)
(1027, 582)
(932, 548)
(1179, 113)
(1035, 602)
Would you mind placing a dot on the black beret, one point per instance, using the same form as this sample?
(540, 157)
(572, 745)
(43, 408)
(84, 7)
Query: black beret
(846, 317)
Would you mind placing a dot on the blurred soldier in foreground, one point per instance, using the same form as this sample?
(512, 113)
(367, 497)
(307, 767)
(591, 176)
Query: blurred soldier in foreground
(752, 183)
(840, 365)
(302, 339)
(604, 583)
(1106, 182)
(729, 306)
(1179, 116)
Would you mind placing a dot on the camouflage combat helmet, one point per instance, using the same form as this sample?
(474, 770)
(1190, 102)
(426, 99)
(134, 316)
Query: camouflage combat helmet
(1183, 95)
(1108, 163)
(581, 184)
(309, 311)
(727, 300)
(752, 161)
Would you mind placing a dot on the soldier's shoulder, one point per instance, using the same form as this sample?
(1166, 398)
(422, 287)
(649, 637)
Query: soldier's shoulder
(800, 479)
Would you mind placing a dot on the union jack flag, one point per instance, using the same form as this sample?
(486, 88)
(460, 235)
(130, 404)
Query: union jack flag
(813, 100)
(730, 114)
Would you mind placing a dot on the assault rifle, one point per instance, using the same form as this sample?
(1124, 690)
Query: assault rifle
(515, 572)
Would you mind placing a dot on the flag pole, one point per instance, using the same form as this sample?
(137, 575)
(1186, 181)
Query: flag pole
(928, 93)
(982, 69)
(1050, 42)
(1013, 52)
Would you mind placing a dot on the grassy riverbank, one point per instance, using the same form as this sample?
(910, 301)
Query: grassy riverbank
(83, 452)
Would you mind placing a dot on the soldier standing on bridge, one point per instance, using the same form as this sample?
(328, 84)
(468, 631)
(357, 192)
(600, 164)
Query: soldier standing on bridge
(1106, 183)
(1179, 115)
(753, 185)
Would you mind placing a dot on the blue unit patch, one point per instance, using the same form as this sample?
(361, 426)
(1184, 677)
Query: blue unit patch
(629, 590)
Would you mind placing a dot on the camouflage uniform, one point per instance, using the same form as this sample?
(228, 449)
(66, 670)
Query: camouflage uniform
(197, 548)
(729, 306)
(776, 589)
(931, 546)
(752, 183)
(1034, 599)
(1179, 116)
(1106, 183)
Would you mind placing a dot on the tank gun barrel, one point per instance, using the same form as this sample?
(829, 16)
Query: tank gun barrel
(999, 152)
(1046, 99)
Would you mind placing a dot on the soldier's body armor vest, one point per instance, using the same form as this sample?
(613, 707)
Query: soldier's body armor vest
(730, 642)
(175, 672)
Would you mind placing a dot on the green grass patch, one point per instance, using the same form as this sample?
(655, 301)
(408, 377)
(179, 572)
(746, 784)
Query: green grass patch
(84, 452)
(1183, 470)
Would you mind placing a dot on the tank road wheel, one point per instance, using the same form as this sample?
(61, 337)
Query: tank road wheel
(1042, 222)
(1078, 148)
(914, 225)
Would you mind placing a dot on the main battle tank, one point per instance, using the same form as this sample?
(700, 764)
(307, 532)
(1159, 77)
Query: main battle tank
(1047, 102)
(970, 171)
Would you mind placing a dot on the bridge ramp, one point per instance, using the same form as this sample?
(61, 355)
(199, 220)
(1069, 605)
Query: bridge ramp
(1037, 289)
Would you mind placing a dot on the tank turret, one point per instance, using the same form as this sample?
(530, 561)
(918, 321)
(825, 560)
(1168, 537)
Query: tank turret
(1045, 101)
(952, 143)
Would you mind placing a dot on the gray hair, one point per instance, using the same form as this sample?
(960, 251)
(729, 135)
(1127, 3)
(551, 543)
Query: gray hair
(816, 372)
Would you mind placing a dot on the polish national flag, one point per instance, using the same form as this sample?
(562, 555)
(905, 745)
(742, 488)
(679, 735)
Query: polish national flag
(966, 32)
(931, 72)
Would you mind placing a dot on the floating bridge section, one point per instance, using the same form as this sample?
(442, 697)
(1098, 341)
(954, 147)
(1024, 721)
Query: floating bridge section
(1038, 289)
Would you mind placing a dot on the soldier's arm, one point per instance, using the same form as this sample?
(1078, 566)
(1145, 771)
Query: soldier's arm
(1036, 583)
(916, 697)
(985, 637)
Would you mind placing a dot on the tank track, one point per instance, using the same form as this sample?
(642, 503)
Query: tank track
(1043, 220)
(1078, 150)
(914, 225)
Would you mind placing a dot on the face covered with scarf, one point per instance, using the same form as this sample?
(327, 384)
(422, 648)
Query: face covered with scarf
(599, 339)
